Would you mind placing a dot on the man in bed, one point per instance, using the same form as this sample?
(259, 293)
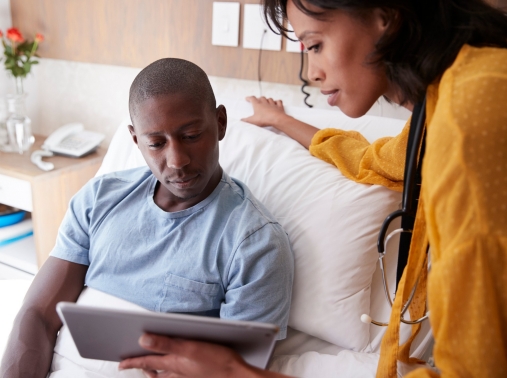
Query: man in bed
(177, 236)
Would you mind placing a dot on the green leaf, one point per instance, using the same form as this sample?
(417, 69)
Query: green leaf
(27, 67)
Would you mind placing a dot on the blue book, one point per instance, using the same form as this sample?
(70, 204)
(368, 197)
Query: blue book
(15, 232)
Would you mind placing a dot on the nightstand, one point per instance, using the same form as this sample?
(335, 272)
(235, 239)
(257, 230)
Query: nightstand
(45, 194)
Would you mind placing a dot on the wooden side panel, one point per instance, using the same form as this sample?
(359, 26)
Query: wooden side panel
(137, 32)
(51, 195)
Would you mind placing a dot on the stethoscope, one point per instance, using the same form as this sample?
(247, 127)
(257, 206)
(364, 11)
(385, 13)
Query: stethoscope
(411, 188)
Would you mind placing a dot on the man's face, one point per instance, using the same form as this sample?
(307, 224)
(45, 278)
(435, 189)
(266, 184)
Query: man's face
(178, 137)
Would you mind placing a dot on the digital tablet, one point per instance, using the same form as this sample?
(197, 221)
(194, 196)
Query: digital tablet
(113, 335)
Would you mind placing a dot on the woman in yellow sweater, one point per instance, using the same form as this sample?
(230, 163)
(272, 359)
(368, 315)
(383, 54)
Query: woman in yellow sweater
(454, 52)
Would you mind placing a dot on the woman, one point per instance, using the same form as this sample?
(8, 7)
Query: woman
(454, 53)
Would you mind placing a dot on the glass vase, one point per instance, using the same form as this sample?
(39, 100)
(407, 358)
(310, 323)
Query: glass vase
(19, 85)
(19, 126)
(3, 120)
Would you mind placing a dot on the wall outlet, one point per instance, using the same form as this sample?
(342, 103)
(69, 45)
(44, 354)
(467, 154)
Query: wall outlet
(255, 30)
(225, 29)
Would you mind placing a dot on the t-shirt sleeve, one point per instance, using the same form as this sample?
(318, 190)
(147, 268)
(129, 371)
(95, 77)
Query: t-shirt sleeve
(260, 279)
(73, 240)
(379, 163)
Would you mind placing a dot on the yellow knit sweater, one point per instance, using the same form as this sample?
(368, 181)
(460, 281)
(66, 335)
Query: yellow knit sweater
(462, 213)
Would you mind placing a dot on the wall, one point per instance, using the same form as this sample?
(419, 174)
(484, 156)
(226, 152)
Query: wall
(5, 23)
(65, 90)
(134, 33)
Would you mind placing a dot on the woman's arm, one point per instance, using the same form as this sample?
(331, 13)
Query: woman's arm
(194, 359)
(29, 351)
(268, 112)
(378, 163)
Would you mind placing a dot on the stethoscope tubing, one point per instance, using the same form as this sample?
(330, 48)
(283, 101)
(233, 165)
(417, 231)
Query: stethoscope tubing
(414, 143)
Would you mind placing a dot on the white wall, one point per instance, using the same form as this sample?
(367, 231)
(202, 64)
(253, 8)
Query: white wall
(5, 23)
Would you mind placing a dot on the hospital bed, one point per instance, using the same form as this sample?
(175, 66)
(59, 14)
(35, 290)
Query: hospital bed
(332, 223)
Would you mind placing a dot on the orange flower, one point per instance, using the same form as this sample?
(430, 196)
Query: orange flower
(15, 35)
(39, 37)
(1, 34)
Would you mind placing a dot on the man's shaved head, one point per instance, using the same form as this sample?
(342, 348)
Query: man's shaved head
(171, 76)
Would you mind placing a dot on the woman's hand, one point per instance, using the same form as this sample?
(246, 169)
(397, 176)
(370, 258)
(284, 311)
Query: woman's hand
(183, 358)
(267, 112)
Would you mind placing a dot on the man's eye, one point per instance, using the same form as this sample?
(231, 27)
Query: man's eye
(191, 136)
(155, 144)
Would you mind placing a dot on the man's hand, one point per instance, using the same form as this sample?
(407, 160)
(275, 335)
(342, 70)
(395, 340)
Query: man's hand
(183, 358)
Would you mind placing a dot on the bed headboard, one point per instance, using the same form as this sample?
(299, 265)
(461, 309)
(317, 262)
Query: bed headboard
(135, 33)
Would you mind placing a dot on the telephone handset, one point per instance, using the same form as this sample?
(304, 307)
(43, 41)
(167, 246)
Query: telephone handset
(69, 140)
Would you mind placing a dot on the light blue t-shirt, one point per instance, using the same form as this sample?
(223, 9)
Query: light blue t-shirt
(226, 256)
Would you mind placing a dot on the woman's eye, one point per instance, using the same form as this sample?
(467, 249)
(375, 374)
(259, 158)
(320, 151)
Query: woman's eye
(315, 48)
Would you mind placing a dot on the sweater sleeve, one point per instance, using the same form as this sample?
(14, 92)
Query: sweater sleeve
(379, 163)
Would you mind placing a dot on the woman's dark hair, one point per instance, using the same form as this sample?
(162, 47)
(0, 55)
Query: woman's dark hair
(423, 37)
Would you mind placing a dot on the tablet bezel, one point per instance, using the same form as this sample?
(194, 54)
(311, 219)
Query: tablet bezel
(113, 334)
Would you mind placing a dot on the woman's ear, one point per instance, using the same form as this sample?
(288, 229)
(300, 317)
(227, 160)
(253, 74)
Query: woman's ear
(387, 19)
(221, 115)
(384, 18)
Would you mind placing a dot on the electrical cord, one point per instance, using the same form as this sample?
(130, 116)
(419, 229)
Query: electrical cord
(259, 63)
(305, 82)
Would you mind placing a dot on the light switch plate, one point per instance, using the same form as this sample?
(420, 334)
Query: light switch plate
(292, 46)
(225, 29)
(253, 30)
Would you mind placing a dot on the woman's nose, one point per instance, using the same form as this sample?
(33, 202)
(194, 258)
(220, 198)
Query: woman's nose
(315, 73)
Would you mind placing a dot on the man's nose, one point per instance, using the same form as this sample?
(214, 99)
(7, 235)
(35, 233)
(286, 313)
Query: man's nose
(177, 157)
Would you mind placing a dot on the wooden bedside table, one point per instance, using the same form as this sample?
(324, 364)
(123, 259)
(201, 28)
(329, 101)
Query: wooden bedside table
(45, 194)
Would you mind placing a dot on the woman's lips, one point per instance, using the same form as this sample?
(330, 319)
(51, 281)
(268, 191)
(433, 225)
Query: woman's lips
(333, 96)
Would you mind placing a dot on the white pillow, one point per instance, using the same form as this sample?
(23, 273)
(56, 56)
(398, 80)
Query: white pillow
(332, 222)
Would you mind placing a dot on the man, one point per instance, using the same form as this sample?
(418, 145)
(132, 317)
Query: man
(178, 236)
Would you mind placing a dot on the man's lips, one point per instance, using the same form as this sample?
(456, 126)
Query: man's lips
(331, 100)
(183, 182)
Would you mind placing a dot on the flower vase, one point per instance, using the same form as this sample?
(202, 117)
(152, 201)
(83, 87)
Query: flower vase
(3, 126)
(19, 126)
(19, 86)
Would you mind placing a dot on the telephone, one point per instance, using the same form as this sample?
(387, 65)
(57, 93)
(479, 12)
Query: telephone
(69, 140)
(72, 140)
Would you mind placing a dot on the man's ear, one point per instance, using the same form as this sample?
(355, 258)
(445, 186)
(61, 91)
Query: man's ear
(133, 134)
(221, 115)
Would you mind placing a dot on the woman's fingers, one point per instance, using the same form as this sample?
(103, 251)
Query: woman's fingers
(263, 100)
